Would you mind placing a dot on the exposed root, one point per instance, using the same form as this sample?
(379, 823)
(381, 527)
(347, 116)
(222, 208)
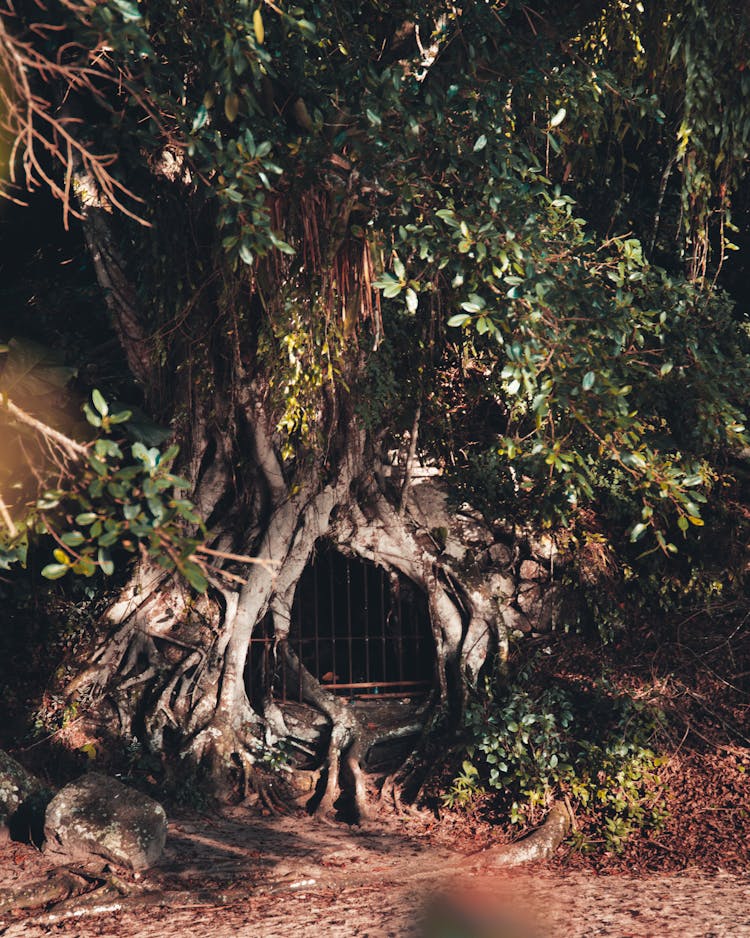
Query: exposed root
(353, 763)
(59, 885)
(349, 742)
(331, 791)
(271, 792)
(537, 847)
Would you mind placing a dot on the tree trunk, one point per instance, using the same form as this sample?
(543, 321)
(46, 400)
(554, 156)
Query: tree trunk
(172, 665)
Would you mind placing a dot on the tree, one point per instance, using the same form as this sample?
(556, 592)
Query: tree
(342, 228)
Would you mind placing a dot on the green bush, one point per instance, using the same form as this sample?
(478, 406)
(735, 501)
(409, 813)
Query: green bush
(594, 746)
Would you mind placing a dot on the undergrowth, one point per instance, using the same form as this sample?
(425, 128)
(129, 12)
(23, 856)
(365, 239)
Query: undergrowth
(594, 746)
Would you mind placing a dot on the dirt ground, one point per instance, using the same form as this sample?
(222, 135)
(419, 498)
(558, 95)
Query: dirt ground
(240, 874)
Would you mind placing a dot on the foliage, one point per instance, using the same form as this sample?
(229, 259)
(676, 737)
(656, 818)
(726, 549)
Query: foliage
(597, 750)
(550, 234)
(110, 502)
(466, 193)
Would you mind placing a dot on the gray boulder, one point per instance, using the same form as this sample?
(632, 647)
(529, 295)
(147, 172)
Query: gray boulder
(16, 785)
(99, 817)
(23, 799)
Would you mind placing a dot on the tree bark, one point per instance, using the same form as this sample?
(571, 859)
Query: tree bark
(170, 667)
(173, 666)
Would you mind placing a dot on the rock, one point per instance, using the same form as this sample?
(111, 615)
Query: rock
(23, 799)
(503, 587)
(501, 554)
(543, 547)
(539, 603)
(530, 599)
(16, 784)
(531, 570)
(515, 621)
(97, 816)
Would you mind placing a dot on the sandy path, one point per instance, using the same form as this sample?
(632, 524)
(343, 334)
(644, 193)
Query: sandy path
(294, 878)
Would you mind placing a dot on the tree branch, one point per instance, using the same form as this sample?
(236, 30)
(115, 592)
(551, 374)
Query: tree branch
(72, 448)
(110, 272)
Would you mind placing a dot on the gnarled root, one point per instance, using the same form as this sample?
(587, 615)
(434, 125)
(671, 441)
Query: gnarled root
(61, 884)
(347, 746)
(537, 847)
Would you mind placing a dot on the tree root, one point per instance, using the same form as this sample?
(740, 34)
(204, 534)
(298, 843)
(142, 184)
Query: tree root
(271, 792)
(61, 886)
(537, 847)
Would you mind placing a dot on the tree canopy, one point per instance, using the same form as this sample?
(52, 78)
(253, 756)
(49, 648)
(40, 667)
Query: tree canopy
(510, 216)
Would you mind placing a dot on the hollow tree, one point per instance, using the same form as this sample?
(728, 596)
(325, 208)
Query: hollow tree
(335, 234)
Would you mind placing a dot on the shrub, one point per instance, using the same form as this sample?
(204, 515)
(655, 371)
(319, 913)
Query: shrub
(595, 746)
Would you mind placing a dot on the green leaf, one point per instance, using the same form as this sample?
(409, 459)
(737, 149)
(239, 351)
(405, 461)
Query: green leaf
(86, 518)
(412, 301)
(448, 216)
(92, 418)
(459, 319)
(281, 245)
(129, 11)
(53, 571)
(84, 567)
(480, 144)
(231, 107)
(97, 465)
(638, 531)
(307, 29)
(558, 118)
(105, 561)
(588, 381)
(201, 117)
(195, 577)
(246, 255)
(99, 402)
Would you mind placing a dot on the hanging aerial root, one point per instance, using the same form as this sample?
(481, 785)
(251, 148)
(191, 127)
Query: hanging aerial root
(353, 764)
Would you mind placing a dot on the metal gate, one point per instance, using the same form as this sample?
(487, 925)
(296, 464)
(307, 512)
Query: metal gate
(360, 632)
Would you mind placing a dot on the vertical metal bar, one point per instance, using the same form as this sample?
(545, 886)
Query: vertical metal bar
(315, 570)
(367, 623)
(384, 675)
(350, 679)
(331, 624)
(400, 646)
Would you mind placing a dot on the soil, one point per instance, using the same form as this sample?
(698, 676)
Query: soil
(423, 874)
(240, 873)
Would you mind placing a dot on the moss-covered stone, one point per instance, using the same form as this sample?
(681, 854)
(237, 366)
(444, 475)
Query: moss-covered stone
(97, 816)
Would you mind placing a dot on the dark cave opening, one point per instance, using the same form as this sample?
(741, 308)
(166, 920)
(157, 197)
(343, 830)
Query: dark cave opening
(361, 631)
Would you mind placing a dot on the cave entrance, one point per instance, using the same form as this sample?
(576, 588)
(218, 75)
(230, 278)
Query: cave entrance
(361, 632)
